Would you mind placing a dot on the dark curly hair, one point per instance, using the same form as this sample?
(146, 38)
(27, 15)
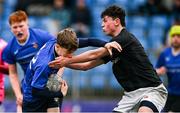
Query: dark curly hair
(115, 12)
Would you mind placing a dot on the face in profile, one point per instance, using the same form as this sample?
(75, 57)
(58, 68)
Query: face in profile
(108, 25)
(63, 51)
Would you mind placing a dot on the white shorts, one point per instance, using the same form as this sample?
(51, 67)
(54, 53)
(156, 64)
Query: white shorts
(131, 100)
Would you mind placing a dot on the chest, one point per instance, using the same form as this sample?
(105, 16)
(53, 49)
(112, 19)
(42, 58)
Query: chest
(25, 53)
(172, 64)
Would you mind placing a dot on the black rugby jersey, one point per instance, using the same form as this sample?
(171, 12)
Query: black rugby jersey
(131, 67)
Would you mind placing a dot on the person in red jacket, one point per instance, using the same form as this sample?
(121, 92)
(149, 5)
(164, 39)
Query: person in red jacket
(3, 70)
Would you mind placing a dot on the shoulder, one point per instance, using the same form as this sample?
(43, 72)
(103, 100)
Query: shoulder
(37, 31)
(167, 50)
(11, 44)
(41, 35)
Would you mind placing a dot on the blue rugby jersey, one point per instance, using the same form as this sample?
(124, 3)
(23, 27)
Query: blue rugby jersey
(22, 54)
(172, 63)
(38, 72)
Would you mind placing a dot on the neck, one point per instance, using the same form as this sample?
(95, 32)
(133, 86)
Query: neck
(23, 40)
(119, 29)
(175, 51)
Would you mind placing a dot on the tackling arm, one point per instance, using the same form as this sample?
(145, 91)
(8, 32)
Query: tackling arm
(84, 57)
(86, 65)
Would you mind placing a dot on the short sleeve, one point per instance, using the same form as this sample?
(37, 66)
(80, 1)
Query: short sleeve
(7, 55)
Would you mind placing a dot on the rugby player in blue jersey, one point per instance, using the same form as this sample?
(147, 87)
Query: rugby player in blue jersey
(25, 44)
(37, 96)
(169, 63)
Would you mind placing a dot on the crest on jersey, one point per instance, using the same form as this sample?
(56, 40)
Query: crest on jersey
(35, 45)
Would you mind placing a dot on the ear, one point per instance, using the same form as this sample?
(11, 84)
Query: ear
(117, 21)
(57, 45)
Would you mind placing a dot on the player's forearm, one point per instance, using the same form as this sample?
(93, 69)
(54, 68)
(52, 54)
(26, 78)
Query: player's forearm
(85, 66)
(89, 55)
(15, 84)
(79, 66)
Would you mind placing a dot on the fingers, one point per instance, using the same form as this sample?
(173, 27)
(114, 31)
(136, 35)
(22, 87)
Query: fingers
(54, 62)
(19, 101)
(19, 108)
(117, 46)
(59, 62)
(110, 51)
(114, 45)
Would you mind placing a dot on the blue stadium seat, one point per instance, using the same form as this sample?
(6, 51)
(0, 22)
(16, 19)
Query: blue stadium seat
(100, 2)
(114, 83)
(155, 37)
(140, 34)
(99, 76)
(122, 3)
(84, 79)
(67, 75)
(160, 21)
(134, 4)
(97, 81)
(139, 22)
(152, 57)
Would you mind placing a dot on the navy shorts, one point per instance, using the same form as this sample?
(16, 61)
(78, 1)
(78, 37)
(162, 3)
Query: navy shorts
(41, 105)
(172, 103)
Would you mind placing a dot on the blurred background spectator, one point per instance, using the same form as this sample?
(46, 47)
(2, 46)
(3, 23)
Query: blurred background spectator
(81, 19)
(34, 7)
(60, 15)
(176, 8)
(153, 7)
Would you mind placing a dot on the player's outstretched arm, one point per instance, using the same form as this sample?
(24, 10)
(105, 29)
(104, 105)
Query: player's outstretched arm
(86, 65)
(86, 56)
